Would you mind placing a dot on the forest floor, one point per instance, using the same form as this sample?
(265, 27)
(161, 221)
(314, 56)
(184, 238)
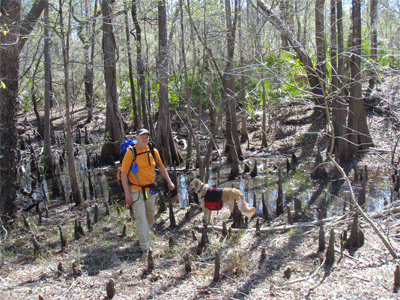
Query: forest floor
(289, 268)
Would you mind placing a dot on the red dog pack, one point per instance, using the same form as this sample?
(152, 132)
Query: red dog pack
(212, 199)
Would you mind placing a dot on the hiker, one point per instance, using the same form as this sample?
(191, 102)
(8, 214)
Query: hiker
(138, 190)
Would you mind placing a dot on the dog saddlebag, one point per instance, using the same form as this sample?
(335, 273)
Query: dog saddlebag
(213, 199)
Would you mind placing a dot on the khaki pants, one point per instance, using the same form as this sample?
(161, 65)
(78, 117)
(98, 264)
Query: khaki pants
(143, 211)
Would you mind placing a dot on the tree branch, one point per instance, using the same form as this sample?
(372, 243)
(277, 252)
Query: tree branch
(30, 20)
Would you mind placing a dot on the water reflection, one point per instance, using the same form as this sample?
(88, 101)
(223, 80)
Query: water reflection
(265, 185)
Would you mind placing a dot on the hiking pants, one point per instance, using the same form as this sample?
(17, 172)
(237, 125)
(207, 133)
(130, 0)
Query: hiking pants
(143, 211)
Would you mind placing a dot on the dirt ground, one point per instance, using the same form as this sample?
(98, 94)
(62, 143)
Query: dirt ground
(284, 264)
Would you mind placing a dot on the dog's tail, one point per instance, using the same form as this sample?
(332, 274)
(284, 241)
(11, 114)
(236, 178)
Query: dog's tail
(244, 207)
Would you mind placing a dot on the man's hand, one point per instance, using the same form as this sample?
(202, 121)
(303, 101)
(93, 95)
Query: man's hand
(171, 185)
(128, 198)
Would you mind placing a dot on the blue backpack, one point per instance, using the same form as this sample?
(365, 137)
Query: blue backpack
(131, 144)
(124, 147)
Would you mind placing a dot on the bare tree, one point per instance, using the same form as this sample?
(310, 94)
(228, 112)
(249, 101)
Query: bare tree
(65, 40)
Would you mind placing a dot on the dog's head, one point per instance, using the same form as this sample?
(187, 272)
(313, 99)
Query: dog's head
(195, 186)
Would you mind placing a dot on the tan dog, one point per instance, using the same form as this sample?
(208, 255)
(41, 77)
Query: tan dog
(229, 195)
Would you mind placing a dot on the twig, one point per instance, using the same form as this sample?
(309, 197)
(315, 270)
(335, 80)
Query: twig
(359, 277)
(309, 276)
(70, 287)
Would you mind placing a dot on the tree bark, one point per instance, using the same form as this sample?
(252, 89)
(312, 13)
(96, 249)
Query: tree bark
(114, 126)
(164, 138)
(136, 124)
(340, 110)
(9, 73)
(140, 69)
(374, 40)
(49, 167)
(244, 134)
(76, 195)
(360, 138)
(30, 20)
(232, 136)
(320, 38)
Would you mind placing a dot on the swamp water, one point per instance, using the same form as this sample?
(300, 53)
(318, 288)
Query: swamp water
(296, 184)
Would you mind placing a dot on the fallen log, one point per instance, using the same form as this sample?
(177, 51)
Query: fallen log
(278, 228)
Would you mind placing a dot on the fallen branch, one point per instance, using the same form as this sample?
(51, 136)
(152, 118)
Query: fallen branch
(279, 228)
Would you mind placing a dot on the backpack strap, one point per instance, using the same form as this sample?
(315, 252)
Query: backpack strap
(152, 147)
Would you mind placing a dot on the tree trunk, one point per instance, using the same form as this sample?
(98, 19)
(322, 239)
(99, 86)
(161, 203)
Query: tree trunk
(188, 91)
(286, 14)
(320, 44)
(232, 136)
(89, 74)
(360, 138)
(340, 110)
(114, 127)
(164, 138)
(244, 134)
(76, 195)
(264, 114)
(374, 40)
(136, 124)
(140, 69)
(9, 74)
(30, 20)
(49, 167)
(333, 46)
